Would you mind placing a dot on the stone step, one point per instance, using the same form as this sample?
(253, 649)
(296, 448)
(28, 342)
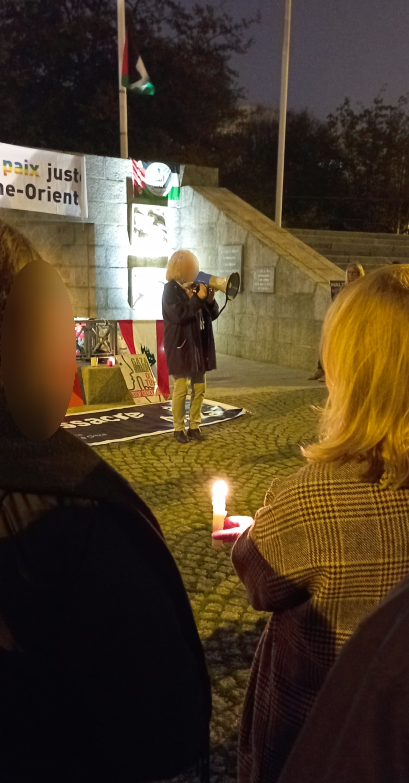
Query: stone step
(366, 251)
(368, 262)
(360, 242)
(362, 247)
(348, 235)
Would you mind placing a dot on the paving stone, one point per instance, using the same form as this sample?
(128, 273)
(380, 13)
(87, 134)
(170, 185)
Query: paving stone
(242, 676)
(227, 684)
(247, 453)
(219, 704)
(230, 616)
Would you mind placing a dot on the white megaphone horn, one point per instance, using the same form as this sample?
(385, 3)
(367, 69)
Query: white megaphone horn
(229, 285)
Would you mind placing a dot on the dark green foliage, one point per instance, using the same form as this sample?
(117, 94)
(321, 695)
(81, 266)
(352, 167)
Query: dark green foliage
(313, 168)
(59, 90)
(374, 143)
(350, 172)
(59, 76)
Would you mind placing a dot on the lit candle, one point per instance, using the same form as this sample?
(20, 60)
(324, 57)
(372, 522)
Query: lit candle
(220, 490)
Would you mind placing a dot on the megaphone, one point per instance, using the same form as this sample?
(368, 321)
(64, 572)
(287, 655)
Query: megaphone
(229, 285)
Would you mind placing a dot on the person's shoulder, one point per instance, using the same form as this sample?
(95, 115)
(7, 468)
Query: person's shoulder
(171, 288)
(306, 475)
(317, 479)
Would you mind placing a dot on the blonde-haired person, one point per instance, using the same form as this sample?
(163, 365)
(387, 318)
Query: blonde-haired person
(353, 272)
(188, 314)
(333, 538)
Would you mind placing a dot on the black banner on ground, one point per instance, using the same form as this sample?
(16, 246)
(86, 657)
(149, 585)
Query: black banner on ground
(116, 424)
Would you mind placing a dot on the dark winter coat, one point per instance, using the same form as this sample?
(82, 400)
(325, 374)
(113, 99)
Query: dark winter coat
(358, 729)
(107, 679)
(188, 347)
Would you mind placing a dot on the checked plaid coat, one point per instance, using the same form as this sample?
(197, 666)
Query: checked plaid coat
(321, 554)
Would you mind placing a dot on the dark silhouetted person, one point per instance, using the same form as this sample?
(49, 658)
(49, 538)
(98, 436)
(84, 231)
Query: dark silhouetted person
(102, 672)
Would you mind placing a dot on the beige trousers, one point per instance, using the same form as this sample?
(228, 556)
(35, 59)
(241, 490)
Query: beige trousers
(180, 390)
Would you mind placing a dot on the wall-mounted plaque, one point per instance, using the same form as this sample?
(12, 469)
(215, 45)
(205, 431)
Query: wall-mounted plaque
(263, 280)
(231, 260)
(336, 287)
(231, 257)
(149, 236)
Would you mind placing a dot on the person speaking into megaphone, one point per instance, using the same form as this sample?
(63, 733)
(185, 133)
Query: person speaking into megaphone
(189, 308)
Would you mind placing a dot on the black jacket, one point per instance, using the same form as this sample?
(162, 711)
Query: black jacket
(358, 728)
(111, 683)
(188, 348)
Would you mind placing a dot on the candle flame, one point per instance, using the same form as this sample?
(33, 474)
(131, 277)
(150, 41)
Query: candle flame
(220, 489)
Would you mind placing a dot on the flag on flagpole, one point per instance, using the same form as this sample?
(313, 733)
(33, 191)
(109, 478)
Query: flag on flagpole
(135, 77)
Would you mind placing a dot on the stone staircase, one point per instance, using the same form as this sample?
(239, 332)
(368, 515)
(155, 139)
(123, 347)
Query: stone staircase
(353, 247)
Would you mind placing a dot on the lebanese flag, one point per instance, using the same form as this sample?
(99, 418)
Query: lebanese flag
(135, 77)
(146, 337)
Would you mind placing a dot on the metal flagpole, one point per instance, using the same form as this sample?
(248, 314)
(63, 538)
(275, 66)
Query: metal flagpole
(283, 113)
(123, 113)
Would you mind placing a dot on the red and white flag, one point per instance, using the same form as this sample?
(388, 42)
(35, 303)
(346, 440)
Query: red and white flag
(146, 337)
(138, 176)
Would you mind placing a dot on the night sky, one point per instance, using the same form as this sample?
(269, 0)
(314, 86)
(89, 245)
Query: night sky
(338, 48)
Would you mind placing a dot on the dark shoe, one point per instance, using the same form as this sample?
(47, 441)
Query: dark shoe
(317, 375)
(180, 436)
(194, 434)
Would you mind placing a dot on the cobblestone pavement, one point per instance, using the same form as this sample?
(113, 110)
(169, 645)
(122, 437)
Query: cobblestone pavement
(176, 481)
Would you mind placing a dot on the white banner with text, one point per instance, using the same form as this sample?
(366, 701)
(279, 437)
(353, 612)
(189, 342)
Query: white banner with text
(43, 181)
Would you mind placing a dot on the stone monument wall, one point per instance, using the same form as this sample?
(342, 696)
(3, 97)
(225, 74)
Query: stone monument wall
(90, 255)
(278, 315)
(276, 318)
(94, 256)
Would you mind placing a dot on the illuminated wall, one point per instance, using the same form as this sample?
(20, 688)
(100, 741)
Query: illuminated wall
(105, 272)
(91, 256)
(95, 258)
(278, 315)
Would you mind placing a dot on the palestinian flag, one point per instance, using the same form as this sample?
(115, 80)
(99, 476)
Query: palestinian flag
(134, 74)
(174, 192)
